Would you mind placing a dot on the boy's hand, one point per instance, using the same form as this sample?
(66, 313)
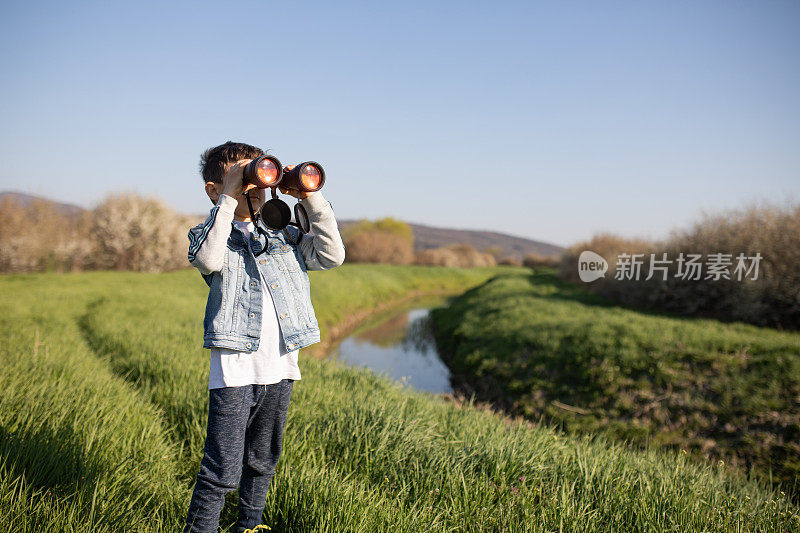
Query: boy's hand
(233, 181)
(294, 192)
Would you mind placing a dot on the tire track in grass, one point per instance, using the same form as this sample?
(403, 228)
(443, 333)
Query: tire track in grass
(83, 449)
(175, 390)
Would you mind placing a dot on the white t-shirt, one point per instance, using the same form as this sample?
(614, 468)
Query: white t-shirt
(269, 364)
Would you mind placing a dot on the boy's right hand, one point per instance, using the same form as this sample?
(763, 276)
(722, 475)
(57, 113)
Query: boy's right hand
(233, 182)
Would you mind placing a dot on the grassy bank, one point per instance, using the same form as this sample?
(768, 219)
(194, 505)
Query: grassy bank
(103, 406)
(543, 349)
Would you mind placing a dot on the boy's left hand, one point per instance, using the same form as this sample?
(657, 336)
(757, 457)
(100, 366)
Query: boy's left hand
(294, 192)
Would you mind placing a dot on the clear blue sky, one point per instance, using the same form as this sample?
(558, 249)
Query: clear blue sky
(550, 121)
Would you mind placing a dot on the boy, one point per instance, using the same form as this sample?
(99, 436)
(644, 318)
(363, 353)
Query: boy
(257, 317)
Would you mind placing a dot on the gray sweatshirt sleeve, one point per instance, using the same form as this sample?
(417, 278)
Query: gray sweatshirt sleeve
(207, 241)
(323, 249)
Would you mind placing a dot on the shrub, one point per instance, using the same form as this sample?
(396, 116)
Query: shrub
(773, 299)
(386, 240)
(511, 261)
(494, 251)
(379, 246)
(535, 260)
(38, 236)
(605, 244)
(386, 224)
(136, 233)
(125, 232)
(455, 255)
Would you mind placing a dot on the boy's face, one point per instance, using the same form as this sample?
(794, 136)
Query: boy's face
(257, 198)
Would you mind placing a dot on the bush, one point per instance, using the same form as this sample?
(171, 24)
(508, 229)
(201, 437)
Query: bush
(378, 246)
(773, 299)
(510, 261)
(455, 255)
(386, 240)
(143, 234)
(387, 224)
(536, 260)
(494, 251)
(605, 244)
(125, 232)
(38, 236)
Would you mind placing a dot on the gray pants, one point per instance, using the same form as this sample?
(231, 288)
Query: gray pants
(242, 448)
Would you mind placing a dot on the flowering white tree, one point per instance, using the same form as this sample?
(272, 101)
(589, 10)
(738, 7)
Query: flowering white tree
(137, 233)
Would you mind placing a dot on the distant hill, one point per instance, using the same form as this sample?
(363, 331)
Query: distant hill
(425, 237)
(24, 199)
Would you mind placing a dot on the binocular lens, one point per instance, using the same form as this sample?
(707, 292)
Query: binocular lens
(267, 172)
(310, 177)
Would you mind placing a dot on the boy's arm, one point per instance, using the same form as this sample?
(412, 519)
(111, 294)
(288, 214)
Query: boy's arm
(324, 249)
(207, 241)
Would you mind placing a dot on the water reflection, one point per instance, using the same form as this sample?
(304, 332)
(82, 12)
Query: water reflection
(402, 346)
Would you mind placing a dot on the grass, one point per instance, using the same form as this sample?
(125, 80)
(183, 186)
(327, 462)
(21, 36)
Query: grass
(103, 406)
(547, 350)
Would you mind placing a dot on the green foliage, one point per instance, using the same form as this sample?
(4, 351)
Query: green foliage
(102, 420)
(547, 349)
(495, 251)
(387, 224)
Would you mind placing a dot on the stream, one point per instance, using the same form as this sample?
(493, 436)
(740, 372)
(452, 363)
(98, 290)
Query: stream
(400, 344)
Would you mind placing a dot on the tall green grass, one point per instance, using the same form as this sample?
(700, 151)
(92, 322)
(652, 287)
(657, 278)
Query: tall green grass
(545, 349)
(102, 423)
(78, 445)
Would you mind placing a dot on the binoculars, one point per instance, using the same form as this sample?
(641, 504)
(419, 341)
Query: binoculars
(267, 172)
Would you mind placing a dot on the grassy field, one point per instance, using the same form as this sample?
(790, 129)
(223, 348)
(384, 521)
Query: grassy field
(103, 406)
(550, 351)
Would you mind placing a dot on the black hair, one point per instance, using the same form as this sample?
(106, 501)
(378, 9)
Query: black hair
(215, 161)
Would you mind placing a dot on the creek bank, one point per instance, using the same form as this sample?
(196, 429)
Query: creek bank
(343, 329)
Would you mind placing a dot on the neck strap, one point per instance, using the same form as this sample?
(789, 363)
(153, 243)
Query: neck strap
(256, 224)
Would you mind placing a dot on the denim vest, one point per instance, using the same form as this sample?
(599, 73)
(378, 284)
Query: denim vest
(235, 300)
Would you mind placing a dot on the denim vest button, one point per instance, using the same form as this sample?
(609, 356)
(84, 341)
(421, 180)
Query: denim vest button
(249, 345)
(253, 283)
(252, 315)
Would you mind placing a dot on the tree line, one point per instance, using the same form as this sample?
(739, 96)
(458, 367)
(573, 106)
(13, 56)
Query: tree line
(126, 231)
